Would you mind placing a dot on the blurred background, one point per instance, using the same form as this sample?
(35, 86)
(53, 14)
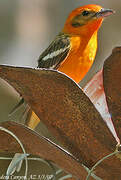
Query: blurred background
(28, 26)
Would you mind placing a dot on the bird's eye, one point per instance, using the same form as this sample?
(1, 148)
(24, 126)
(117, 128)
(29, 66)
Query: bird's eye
(85, 13)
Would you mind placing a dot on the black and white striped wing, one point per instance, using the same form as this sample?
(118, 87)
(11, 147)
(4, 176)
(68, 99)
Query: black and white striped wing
(55, 53)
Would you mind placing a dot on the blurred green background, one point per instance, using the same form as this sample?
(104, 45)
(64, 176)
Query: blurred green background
(28, 26)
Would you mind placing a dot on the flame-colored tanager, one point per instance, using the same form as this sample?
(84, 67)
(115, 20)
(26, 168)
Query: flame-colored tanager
(74, 48)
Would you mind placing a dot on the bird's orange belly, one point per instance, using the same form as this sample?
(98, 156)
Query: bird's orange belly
(76, 67)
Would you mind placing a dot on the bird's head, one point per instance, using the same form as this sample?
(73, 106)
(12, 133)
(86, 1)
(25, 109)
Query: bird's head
(86, 20)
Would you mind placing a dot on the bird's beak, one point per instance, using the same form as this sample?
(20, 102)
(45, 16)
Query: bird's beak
(104, 13)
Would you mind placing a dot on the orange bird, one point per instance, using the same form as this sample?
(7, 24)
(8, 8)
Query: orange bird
(73, 50)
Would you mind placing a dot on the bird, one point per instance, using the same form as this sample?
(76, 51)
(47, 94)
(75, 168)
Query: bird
(74, 49)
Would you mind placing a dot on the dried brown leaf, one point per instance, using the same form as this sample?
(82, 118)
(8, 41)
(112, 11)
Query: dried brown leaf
(68, 113)
(112, 87)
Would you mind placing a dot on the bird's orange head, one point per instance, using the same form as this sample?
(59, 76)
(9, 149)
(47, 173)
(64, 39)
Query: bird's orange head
(85, 20)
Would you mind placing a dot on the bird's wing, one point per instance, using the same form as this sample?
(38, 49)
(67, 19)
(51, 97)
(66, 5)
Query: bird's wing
(57, 52)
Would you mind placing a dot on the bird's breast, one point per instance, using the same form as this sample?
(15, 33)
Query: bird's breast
(80, 58)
